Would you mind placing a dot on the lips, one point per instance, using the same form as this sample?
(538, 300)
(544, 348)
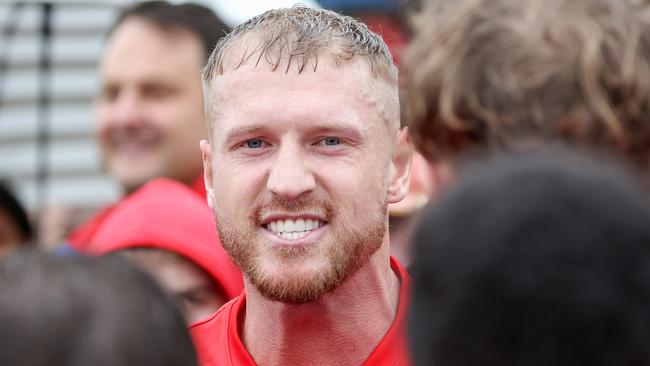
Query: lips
(293, 229)
(134, 140)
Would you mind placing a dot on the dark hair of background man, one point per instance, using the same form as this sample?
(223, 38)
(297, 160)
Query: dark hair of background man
(198, 19)
(10, 205)
(534, 260)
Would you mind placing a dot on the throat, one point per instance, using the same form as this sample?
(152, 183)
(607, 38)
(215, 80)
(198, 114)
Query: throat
(340, 328)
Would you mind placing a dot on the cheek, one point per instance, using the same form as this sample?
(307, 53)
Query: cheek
(371, 188)
(102, 124)
(235, 186)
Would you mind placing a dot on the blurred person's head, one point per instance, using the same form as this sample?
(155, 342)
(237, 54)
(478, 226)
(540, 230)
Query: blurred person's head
(149, 114)
(191, 287)
(15, 228)
(80, 311)
(488, 75)
(305, 149)
(534, 260)
(169, 231)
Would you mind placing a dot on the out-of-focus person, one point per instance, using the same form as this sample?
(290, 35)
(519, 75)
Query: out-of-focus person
(149, 111)
(305, 152)
(167, 230)
(492, 75)
(536, 259)
(15, 227)
(79, 311)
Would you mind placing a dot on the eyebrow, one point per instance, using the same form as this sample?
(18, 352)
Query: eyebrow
(235, 134)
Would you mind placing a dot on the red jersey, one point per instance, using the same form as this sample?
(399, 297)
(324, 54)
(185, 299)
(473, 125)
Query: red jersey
(168, 215)
(218, 342)
(80, 237)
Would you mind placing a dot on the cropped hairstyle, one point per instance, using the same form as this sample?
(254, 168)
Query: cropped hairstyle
(297, 36)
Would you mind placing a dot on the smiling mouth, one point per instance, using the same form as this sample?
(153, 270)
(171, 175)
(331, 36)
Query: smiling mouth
(134, 140)
(290, 229)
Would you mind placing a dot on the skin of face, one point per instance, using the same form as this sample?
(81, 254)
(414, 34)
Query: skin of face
(149, 112)
(189, 286)
(314, 146)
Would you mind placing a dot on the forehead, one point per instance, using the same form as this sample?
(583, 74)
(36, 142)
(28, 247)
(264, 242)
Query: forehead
(138, 48)
(344, 92)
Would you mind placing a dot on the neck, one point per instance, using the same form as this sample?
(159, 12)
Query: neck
(341, 328)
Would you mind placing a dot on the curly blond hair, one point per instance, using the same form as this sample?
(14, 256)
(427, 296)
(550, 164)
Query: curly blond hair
(492, 74)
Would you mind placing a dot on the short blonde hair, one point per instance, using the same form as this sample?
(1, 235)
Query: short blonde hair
(486, 74)
(297, 36)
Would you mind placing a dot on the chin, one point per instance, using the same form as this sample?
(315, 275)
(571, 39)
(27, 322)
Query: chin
(295, 282)
(131, 183)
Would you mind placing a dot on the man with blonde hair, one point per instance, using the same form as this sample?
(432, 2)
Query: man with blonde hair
(305, 152)
(488, 75)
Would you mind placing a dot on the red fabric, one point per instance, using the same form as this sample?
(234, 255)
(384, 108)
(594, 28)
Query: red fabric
(168, 215)
(198, 186)
(218, 343)
(392, 32)
(80, 237)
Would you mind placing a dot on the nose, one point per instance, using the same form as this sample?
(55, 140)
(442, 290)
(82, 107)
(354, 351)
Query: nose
(126, 110)
(289, 176)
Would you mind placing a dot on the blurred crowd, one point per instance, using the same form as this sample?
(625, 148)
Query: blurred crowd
(435, 182)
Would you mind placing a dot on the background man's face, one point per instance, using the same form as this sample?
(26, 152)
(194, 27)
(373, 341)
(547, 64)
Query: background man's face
(300, 172)
(149, 116)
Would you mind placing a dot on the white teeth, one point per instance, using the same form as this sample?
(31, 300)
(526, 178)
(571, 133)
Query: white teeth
(293, 229)
(299, 225)
(293, 235)
(289, 225)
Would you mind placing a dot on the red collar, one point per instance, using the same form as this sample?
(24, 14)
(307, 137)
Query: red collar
(392, 350)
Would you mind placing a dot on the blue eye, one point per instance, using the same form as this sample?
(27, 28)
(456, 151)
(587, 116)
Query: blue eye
(332, 141)
(254, 143)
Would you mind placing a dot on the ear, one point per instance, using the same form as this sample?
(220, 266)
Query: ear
(400, 172)
(206, 155)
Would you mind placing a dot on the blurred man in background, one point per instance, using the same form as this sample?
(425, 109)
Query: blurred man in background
(149, 121)
(86, 311)
(149, 113)
(537, 259)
